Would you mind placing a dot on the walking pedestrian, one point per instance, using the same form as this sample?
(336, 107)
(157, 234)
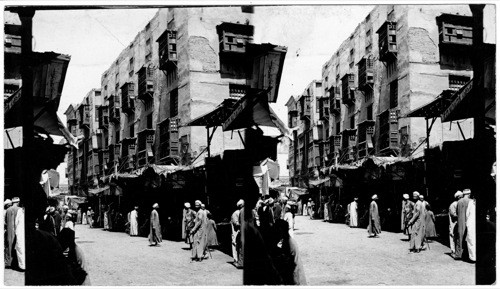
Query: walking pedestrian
(255, 212)
(199, 233)
(211, 232)
(289, 219)
(20, 238)
(13, 222)
(470, 237)
(453, 218)
(235, 230)
(417, 224)
(352, 210)
(68, 222)
(406, 214)
(462, 205)
(430, 221)
(84, 218)
(187, 224)
(374, 219)
(154, 227)
(310, 208)
(276, 209)
(65, 210)
(133, 221)
(90, 217)
(57, 220)
(79, 215)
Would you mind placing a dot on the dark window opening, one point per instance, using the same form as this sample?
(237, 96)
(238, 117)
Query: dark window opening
(174, 104)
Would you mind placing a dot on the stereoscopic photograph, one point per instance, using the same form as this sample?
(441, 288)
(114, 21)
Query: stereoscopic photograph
(233, 144)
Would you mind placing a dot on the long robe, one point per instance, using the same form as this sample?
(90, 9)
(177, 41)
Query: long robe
(134, 225)
(406, 215)
(461, 225)
(20, 250)
(106, 220)
(374, 219)
(84, 218)
(417, 223)
(212, 233)
(430, 227)
(154, 228)
(10, 220)
(200, 234)
(352, 208)
(471, 229)
(57, 220)
(187, 225)
(291, 223)
(235, 229)
(452, 216)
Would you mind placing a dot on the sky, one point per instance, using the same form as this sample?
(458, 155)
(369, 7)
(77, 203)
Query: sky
(94, 38)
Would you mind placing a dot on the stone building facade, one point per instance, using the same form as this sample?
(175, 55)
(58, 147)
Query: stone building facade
(180, 66)
(399, 58)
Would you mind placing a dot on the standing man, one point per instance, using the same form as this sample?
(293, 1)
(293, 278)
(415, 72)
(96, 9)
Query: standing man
(63, 216)
(10, 221)
(57, 221)
(90, 215)
(277, 210)
(352, 210)
(20, 249)
(471, 228)
(154, 227)
(452, 215)
(235, 229)
(134, 224)
(199, 233)
(417, 225)
(406, 214)
(462, 205)
(374, 218)
(6, 205)
(188, 224)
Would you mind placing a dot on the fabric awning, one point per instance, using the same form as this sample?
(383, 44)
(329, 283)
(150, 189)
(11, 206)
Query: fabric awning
(253, 109)
(462, 105)
(435, 108)
(49, 74)
(98, 191)
(318, 181)
(216, 117)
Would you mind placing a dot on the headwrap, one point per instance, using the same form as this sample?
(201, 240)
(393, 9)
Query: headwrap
(374, 197)
(197, 203)
(421, 197)
(155, 206)
(15, 200)
(458, 194)
(466, 191)
(187, 205)
(240, 203)
(416, 194)
(7, 202)
(406, 196)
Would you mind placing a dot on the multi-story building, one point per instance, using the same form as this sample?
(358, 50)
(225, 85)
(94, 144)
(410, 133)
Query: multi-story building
(183, 64)
(400, 58)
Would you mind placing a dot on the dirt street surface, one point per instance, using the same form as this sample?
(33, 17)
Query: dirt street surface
(13, 278)
(334, 254)
(117, 259)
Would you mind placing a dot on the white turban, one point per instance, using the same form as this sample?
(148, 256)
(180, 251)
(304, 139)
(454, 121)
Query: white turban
(467, 192)
(187, 205)
(7, 202)
(458, 194)
(155, 206)
(416, 194)
(240, 203)
(197, 203)
(406, 196)
(374, 197)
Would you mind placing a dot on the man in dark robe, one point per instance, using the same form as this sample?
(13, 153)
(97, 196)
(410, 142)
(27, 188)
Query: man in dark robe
(277, 209)
(154, 227)
(57, 220)
(417, 224)
(10, 221)
(266, 220)
(199, 233)
(406, 214)
(462, 205)
(374, 218)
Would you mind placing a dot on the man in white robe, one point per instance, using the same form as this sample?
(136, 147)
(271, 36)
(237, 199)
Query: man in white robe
(352, 208)
(134, 224)
(20, 250)
(470, 222)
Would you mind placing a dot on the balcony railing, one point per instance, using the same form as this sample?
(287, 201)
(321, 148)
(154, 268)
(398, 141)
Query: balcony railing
(387, 41)
(167, 49)
(128, 105)
(145, 87)
(348, 88)
(365, 73)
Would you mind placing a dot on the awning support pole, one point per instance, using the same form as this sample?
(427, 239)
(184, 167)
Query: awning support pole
(209, 138)
(242, 140)
(461, 131)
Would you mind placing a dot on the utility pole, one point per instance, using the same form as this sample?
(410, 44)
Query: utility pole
(28, 189)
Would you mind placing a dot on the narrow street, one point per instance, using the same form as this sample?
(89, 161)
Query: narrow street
(333, 254)
(116, 259)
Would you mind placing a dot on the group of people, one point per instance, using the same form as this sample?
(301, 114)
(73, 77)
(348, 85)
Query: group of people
(199, 230)
(272, 223)
(58, 228)
(14, 252)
